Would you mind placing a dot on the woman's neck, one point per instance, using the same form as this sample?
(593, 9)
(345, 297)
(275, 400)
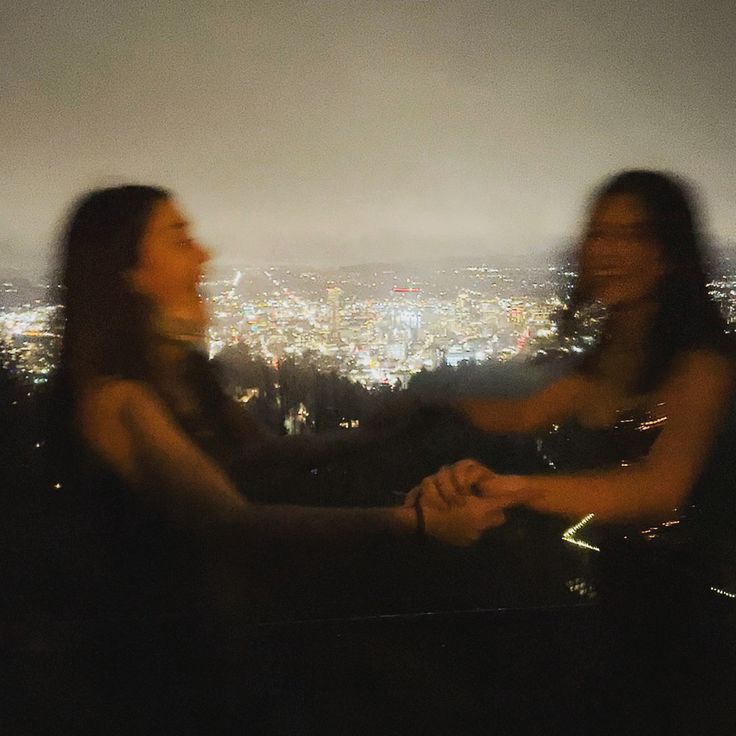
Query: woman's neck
(629, 325)
(175, 339)
(624, 351)
(188, 332)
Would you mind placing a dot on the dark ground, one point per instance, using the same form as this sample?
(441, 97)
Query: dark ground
(382, 638)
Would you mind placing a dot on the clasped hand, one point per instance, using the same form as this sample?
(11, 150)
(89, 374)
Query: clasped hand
(461, 501)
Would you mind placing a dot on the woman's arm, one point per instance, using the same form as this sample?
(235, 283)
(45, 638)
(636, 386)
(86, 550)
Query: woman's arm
(554, 403)
(696, 398)
(133, 430)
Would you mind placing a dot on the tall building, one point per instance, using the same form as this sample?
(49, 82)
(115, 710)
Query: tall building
(334, 295)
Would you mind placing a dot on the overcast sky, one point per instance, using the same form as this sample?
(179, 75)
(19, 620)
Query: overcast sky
(359, 131)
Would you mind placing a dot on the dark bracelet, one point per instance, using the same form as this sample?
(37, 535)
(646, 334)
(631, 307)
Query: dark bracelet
(421, 530)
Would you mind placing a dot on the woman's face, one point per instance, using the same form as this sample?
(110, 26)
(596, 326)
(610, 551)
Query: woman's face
(621, 262)
(170, 264)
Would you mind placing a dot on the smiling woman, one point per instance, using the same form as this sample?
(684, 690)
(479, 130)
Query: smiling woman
(620, 259)
(637, 441)
(169, 266)
(664, 352)
(150, 433)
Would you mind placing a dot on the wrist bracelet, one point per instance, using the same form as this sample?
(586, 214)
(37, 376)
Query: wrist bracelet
(421, 530)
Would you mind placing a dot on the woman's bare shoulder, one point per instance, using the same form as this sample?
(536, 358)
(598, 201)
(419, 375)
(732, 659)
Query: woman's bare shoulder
(100, 418)
(110, 396)
(698, 378)
(105, 411)
(702, 367)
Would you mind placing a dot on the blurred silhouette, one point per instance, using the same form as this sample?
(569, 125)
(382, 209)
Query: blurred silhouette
(639, 434)
(150, 434)
(663, 353)
(150, 464)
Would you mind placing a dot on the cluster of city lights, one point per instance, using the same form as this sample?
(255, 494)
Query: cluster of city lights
(382, 333)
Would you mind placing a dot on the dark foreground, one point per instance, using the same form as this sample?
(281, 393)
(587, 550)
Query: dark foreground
(504, 671)
(381, 638)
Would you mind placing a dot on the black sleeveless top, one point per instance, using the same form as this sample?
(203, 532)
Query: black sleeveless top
(123, 563)
(688, 547)
(219, 427)
(125, 566)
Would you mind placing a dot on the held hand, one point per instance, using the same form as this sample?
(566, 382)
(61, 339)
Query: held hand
(463, 525)
(507, 488)
(451, 485)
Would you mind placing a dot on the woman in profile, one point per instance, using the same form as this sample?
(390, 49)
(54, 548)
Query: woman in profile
(134, 326)
(146, 439)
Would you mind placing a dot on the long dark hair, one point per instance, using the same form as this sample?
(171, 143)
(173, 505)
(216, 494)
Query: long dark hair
(106, 325)
(686, 317)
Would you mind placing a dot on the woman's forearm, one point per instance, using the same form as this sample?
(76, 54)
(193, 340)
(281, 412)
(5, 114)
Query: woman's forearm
(272, 526)
(626, 494)
(555, 402)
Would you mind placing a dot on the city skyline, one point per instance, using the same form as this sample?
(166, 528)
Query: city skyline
(370, 325)
(340, 132)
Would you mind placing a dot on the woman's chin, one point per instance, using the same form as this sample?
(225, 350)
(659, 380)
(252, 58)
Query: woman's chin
(192, 312)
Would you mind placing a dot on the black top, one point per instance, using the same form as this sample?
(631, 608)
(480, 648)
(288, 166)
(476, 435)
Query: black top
(688, 548)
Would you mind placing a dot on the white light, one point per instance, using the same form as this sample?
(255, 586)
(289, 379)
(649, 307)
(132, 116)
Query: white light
(569, 534)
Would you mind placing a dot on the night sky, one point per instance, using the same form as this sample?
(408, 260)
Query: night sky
(361, 131)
